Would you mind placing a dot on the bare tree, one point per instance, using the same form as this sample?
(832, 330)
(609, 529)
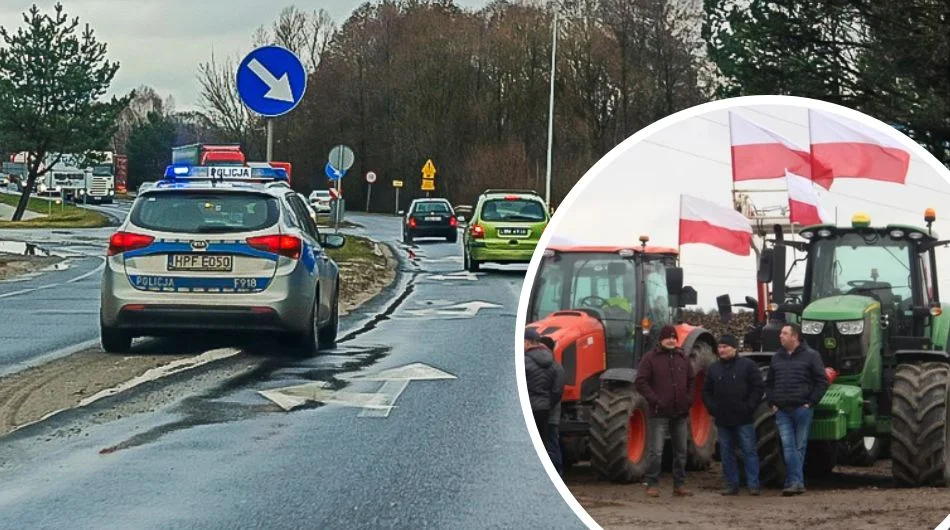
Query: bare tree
(221, 102)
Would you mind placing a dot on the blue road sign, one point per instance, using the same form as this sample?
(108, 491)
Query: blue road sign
(333, 173)
(271, 81)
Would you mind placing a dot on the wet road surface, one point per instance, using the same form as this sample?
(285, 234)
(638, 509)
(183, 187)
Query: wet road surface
(207, 450)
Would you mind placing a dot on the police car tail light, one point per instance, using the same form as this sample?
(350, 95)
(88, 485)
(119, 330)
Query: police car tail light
(283, 244)
(125, 241)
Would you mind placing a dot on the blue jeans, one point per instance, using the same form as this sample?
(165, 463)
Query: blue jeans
(744, 436)
(793, 427)
(553, 445)
(678, 430)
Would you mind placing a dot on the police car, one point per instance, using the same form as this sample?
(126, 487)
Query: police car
(221, 249)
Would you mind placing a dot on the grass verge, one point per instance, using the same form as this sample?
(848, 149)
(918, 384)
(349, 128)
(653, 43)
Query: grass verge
(63, 215)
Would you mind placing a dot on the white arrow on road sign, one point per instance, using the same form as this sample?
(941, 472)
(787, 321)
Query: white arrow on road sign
(278, 89)
(466, 310)
(375, 404)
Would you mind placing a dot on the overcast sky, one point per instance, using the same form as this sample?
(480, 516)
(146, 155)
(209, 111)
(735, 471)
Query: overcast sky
(161, 42)
(639, 194)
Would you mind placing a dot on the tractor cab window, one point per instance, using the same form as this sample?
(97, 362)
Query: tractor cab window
(550, 288)
(927, 288)
(657, 297)
(864, 264)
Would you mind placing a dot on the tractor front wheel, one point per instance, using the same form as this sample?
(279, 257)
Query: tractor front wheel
(920, 441)
(864, 451)
(618, 435)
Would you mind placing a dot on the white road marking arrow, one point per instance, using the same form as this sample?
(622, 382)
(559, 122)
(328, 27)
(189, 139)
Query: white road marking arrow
(374, 404)
(467, 276)
(278, 89)
(466, 310)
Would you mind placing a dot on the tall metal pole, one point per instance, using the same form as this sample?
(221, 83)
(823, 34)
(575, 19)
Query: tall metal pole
(270, 140)
(547, 186)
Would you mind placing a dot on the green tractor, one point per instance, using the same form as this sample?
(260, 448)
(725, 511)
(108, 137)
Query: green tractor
(870, 306)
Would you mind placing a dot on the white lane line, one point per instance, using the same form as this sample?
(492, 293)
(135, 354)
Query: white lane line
(390, 392)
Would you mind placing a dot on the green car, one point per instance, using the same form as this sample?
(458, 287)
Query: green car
(504, 228)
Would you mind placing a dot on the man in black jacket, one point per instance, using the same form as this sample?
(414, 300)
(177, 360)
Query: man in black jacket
(545, 383)
(794, 387)
(732, 391)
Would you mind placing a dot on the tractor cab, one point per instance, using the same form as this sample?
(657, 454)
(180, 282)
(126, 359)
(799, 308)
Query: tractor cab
(631, 291)
(865, 286)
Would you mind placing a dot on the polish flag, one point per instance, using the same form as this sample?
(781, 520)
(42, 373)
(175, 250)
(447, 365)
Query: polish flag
(706, 222)
(760, 154)
(847, 149)
(803, 202)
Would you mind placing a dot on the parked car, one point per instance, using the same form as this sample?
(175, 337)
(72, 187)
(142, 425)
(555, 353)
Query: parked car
(320, 200)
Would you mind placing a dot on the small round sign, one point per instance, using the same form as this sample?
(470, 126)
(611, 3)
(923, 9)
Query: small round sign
(371, 177)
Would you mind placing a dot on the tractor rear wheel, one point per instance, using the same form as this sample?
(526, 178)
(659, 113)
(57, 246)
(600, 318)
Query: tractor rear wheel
(702, 429)
(618, 435)
(920, 453)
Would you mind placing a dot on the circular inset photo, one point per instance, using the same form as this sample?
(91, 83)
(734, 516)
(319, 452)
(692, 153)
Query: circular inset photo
(744, 299)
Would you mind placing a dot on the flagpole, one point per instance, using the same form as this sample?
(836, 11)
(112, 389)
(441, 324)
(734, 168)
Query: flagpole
(679, 231)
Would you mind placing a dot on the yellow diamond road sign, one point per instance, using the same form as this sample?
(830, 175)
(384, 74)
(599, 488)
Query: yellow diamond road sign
(428, 185)
(428, 170)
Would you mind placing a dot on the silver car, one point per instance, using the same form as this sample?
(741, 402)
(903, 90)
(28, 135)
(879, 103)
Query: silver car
(320, 200)
(201, 255)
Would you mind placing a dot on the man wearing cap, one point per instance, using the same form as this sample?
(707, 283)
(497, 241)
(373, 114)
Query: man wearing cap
(732, 391)
(665, 379)
(541, 376)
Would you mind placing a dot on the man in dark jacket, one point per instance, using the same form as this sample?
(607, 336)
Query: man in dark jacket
(553, 438)
(794, 386)
(665, 378)
(541, 376)
(732, 391)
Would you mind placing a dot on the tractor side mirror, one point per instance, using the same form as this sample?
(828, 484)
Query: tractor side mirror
(766, 265)
(724, 303)
(751, 303)
(674, 280)
(687, 296)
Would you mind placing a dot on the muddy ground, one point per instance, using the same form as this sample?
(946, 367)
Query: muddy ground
(30, 395)
(850, 499)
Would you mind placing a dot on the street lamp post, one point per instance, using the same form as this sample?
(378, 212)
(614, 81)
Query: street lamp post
(547, 185)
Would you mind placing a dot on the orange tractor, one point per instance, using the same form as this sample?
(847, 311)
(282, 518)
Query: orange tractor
(604, 307)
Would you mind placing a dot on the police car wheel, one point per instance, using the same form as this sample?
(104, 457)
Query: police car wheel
(327, 334)
(115, 340)
(308, 342)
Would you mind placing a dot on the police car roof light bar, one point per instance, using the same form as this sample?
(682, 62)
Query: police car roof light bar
(223, 174)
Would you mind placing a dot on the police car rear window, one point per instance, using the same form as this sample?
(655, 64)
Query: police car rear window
(204, 212)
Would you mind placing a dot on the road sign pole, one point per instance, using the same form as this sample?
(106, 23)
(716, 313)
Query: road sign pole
(397, 201)
(369, 194)
(270, 140)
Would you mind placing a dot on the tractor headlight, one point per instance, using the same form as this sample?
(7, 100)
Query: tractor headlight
(812, 327)
(851, 327)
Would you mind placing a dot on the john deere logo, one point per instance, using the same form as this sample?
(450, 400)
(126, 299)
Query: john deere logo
(199, 245)
(830, 343)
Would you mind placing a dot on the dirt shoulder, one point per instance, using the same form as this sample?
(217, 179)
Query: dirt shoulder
(366, 269)
(13, 265)
(850, 498)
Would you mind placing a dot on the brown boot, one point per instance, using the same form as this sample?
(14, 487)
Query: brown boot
(652, 491)
(681, 491)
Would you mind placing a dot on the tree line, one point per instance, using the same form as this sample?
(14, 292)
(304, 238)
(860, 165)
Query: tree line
(403, 81)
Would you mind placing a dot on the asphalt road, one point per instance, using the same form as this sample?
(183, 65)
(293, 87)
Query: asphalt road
(208, 451)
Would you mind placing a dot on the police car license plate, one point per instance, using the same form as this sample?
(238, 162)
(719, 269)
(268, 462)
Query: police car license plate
(200, 262)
